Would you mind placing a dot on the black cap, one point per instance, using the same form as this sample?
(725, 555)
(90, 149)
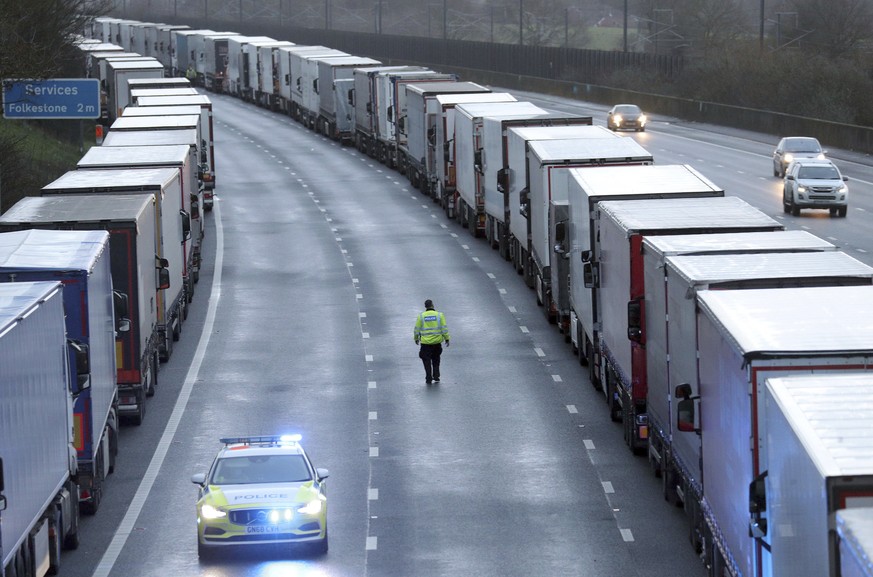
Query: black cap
(428, 304)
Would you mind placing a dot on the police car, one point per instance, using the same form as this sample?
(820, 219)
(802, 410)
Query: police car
(261, 490)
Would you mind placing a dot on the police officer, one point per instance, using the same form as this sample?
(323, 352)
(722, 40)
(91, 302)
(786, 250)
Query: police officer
(431, 330)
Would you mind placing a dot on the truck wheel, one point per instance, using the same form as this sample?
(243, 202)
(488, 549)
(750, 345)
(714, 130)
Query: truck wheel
(139, 417)
(177, 330)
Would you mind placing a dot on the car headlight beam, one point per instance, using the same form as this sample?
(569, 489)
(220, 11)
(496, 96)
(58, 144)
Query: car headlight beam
(311, 508)
(210, 512)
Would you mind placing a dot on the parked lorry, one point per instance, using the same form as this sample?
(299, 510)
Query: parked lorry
(215, 61)
(469, 198)
(744, 338)
(182, 158)
(267, 93)
(163, 82)
(366, 105)
(855, 534)
(138, 93)
(443, 179)
(286, 77)
(671, 343)
(330, 70)
(251, 87)
(206, 160)
(80, 260)
(130, 222)
(419, 126)
(620, 296)
(118, 73)
(39, 507)
(494, 155)
(165, 186)
(819, 447)
(546, 200)
(305, 64)
(513, 177)
(183, 54)
(237, 63)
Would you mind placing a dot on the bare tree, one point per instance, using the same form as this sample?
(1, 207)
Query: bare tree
(839, 27)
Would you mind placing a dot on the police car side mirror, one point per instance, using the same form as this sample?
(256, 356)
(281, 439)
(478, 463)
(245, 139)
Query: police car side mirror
(322, 474)
(198, 479)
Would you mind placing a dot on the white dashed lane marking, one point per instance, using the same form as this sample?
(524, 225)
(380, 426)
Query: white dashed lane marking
(557, 378)
(572, 409)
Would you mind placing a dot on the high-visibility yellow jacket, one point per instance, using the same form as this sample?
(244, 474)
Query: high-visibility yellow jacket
(431, 328)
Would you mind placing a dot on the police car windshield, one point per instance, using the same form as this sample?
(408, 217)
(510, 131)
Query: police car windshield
(253, 469)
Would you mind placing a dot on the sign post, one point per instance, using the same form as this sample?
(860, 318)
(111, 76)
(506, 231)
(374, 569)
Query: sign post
(61, 98)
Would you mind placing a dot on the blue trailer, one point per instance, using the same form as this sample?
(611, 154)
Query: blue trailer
(80, 261)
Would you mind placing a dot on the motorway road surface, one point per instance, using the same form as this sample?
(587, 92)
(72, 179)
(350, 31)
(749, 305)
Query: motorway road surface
(317, 260)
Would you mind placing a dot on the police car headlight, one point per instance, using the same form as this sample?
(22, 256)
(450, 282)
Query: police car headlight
(311, 508)
(210, 512)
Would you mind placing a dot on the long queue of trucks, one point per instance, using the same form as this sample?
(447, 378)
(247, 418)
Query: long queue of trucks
(733, 352)
(96, 278)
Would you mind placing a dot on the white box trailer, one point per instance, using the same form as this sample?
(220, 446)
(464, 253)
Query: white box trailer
(495, 155)
(744, 338)
(249, 73)
(308, 83)
(585, 189)
(267, 93)
(419, 126)
(285, 76)
(37, 457)
(184, 54)
(138, 93)
(119, 72)
(855, 534)
(80, 260)
(549, 165)
(139, 38)
(181, 157)
(166, 44)
(329, 71)
(237, 63)
(391, 100)
(671, 341)
(197, 46)
(514, 177)
(215, 61)
(130, 221)
(621, 229)
(821, 461)
(445, 181)
(206, 168)
(152, 83)
(366, 105)
(103, 71)
(165, 186)
(469, 200)
(345, 113)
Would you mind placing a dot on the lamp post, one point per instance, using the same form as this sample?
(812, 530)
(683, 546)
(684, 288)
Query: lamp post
(521, 22)
(445, 19)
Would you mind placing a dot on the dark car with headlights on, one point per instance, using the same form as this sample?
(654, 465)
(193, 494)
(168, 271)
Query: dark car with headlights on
(813, 183)
(626, 117)
(791, 148)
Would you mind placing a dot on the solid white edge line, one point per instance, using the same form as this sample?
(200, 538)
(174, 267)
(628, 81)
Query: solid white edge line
(107, 562)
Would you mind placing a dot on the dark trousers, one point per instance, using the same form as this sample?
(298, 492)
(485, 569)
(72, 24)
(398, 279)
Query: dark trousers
(430, 356)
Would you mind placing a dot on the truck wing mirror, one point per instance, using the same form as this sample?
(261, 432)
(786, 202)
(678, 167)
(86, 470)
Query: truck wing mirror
(590, 274)
(685, 409)
(369, 108)
(120, 303)
(82, 358)
(503, 180)
(524, 197)
(635, 315)
(287, 80)
(2, 486)
(446, 156)
(478, 159)
(163, 278)
(560, 236)
(352, 97)
(401, 123)
(186, 225)
(195, 206)
(758, 506)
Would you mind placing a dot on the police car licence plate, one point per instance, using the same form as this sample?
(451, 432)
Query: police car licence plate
(261, 529)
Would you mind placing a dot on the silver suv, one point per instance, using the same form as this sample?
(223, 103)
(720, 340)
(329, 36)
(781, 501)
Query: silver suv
(813, 183)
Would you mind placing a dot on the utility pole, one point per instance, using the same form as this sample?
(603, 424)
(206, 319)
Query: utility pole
(761, 30)
(625, 25)
(521, 22)
(445, 19)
